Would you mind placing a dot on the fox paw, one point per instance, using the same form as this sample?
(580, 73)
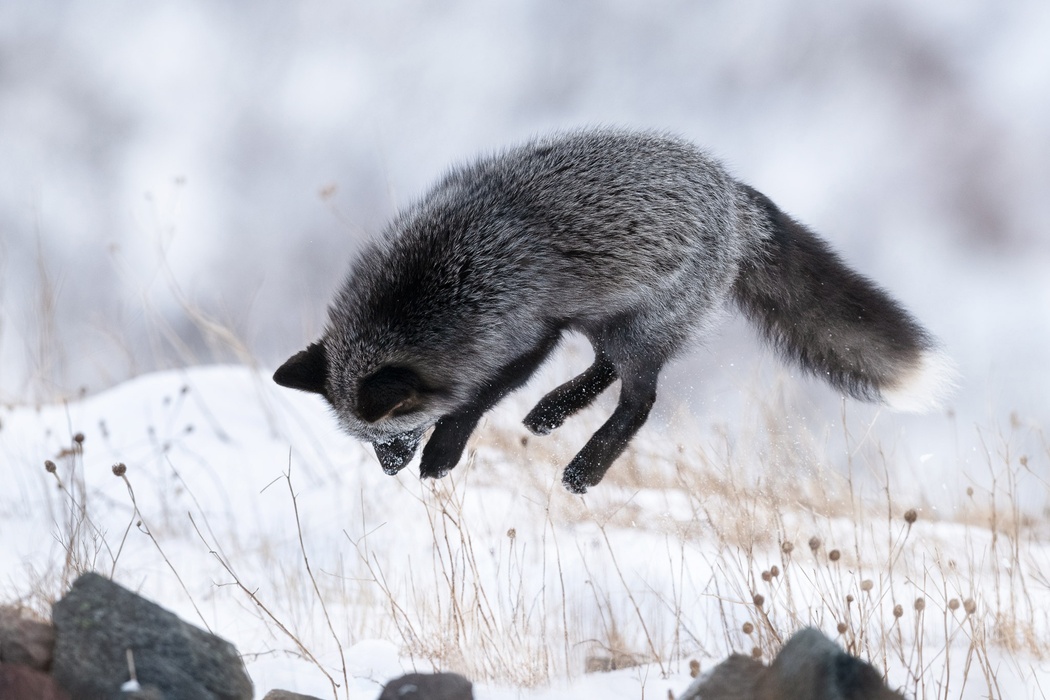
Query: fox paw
(585, 470)
(541, 421)
(577, 480)
(441, 454)
(434, 471)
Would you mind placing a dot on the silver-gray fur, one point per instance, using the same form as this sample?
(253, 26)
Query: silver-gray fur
(638, 241)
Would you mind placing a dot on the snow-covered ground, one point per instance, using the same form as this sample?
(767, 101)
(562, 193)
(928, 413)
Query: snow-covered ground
(184, 182)
(246, 512)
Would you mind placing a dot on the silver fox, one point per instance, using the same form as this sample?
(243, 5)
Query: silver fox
(638, 241)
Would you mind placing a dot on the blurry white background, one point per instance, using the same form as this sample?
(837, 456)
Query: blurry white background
(186, 181)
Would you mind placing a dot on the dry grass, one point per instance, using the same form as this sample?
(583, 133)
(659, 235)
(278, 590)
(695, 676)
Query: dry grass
(790, 541)
(729, 540)
(168, 328)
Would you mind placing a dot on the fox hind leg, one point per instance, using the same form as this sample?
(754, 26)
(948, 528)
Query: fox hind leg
(637, 396)
(570, 397)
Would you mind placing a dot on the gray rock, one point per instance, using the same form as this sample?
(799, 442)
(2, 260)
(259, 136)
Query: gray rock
(809, 667)
(734, 679)
(98, 621)
(278, 694)
(428, 686)
(146, 692)
(812, 666)
(24, 640)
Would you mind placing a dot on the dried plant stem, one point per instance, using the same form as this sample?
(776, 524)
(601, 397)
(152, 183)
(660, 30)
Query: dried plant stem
(313, 580)
(144, 528)
(266, 611)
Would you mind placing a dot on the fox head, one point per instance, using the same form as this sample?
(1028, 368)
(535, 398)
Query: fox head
(390, 406)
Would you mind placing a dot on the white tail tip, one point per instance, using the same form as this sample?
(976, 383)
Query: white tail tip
(924, 387)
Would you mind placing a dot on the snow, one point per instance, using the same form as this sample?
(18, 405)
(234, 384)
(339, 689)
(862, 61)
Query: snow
(495, 571)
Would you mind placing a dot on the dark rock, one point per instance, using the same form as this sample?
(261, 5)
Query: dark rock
(278, 694)
(25, 641)
(733, 679)
(18, 682)
(812, 666)
(809, 666)
(428, 686)
(98, 621)
(145, 692)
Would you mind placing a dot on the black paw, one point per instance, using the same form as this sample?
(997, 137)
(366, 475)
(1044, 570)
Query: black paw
(395, 452)
(577, 479)
(435, 468)
(574, 482)
(442, 452)
(585, 470)
(542, 420)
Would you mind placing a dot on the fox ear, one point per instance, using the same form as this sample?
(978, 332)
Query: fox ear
(306, 370)
(390, 390)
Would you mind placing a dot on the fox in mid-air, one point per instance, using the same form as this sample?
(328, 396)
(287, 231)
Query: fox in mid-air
(638, 241)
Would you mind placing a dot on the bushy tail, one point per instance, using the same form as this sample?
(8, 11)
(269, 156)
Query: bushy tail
(836, 323)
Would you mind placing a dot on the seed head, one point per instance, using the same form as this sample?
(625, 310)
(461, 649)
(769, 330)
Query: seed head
(748, 628)
(849, 599)
(774, 571)
(756, 653)
(910, 516)
(834, 555)
(920, 604)
(866, 585)
(694, 668)
(814, 543)
(767, 576)
(759, 600)
(119, 469)
(79, 438)
(898, 610)
(787, 547)
(969, 606)
(50, 466)
(512, 533)
(842, 627)
(953, 604)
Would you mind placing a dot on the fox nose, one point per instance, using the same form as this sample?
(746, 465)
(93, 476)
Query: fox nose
(397, 451)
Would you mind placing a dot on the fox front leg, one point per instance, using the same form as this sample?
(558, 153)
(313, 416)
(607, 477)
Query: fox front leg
(395, 452)
(446, 444)
(449, 439)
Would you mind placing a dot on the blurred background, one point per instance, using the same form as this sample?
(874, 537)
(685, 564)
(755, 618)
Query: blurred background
(186, 182)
